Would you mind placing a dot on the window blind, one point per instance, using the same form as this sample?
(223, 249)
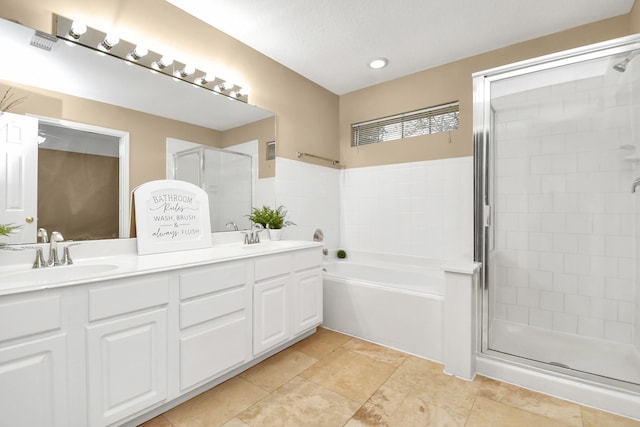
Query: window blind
(441, 118)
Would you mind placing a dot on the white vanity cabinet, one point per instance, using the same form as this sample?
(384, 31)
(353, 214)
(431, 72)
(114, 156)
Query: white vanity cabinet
(215, 321)
(287, 297)
(33, 361)
(115, 350)
(126, 347)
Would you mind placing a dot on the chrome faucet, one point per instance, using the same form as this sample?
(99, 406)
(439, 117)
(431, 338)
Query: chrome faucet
(54, 258)
(232, 224)
(42, 236)
(56, 237)
(252, 235)
(635, 185)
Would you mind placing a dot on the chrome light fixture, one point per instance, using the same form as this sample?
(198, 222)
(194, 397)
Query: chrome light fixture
(186, 71)
(110, 44)
(162, 63)
(224, 86)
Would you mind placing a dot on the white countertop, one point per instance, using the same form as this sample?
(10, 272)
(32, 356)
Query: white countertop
(108, 260)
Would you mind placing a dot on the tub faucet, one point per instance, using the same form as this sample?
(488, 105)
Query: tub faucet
(56, 237)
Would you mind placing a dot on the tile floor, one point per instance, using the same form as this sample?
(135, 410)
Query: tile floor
(331, 379)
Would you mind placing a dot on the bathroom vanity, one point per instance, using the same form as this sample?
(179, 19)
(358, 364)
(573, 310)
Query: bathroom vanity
(106, 346)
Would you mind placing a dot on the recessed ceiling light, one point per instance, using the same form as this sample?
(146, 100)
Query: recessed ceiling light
(377, 63)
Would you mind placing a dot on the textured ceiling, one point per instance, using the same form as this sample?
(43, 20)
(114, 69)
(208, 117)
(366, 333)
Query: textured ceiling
(331, 41)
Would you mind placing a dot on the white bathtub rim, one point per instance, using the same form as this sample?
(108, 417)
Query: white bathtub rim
(385, 287)
(390, 259)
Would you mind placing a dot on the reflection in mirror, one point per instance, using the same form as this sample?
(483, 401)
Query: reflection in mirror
(77, 84)
(226, 177)
(78, 182)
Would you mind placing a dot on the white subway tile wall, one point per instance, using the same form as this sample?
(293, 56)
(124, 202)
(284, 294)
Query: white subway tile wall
(311, 195)
(564, 215)
(422, 209)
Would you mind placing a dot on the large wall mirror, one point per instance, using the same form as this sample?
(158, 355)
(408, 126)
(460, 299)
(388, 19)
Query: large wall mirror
(109, 122)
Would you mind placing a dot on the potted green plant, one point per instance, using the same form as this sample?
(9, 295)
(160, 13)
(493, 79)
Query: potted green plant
(272, 219)
(5, 230)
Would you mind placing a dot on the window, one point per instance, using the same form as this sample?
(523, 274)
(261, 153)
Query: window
(441, 118)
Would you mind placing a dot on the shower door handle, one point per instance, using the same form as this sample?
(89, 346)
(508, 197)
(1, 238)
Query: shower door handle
(486, 213)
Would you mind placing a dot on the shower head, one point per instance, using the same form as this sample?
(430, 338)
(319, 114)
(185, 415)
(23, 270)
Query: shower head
(622, 65)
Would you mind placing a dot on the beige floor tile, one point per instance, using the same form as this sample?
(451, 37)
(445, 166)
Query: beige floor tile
(416, 412)
(278, 369)
(391, 408)
(235, 422)
(353, 375)
(375, 351)
(300, 403)
(321, 343)
(489, 413)
(159, 421)
(378, 410)
(595, 418)
(531, 401)
(216, 406)
(415, 374)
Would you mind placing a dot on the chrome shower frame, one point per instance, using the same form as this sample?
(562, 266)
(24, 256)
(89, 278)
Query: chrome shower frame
(482, 135)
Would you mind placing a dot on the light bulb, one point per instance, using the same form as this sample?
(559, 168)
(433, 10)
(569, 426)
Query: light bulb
(77, 29)
(110, 41)
(378, 63)
(206, 78)
(186, 71)
(139, 52)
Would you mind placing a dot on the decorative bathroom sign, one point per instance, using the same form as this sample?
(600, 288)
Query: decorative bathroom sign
(171, 215)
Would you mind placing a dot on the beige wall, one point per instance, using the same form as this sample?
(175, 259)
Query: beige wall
(634, 17)
(307, 113)
(264, 131)
(450, 82)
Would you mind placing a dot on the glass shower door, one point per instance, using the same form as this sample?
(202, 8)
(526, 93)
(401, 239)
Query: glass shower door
(561, 150)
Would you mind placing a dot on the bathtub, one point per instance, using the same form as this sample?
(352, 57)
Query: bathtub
(398, 305)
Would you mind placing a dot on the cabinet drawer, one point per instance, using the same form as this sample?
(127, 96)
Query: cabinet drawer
(211, 307)
(306, 259)
(208, 354)
(206, 280)
(272, 266)
(28, 316)
(128, 295)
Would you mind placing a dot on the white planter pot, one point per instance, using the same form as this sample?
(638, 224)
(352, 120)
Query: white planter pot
(275, 234)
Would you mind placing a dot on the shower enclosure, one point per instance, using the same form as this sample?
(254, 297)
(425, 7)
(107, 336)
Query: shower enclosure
(557, 150)
(226, 177)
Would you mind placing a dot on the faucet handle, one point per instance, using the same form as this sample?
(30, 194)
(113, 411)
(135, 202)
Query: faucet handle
(66, 256)
(39, 261)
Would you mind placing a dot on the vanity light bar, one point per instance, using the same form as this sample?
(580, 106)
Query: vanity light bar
(78, 33)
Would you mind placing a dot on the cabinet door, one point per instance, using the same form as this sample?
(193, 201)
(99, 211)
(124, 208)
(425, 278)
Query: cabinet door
(272, 314)
(126, 365)
(307, 305)
(33, 383)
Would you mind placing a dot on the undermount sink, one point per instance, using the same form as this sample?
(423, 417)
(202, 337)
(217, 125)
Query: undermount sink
(57, 274)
